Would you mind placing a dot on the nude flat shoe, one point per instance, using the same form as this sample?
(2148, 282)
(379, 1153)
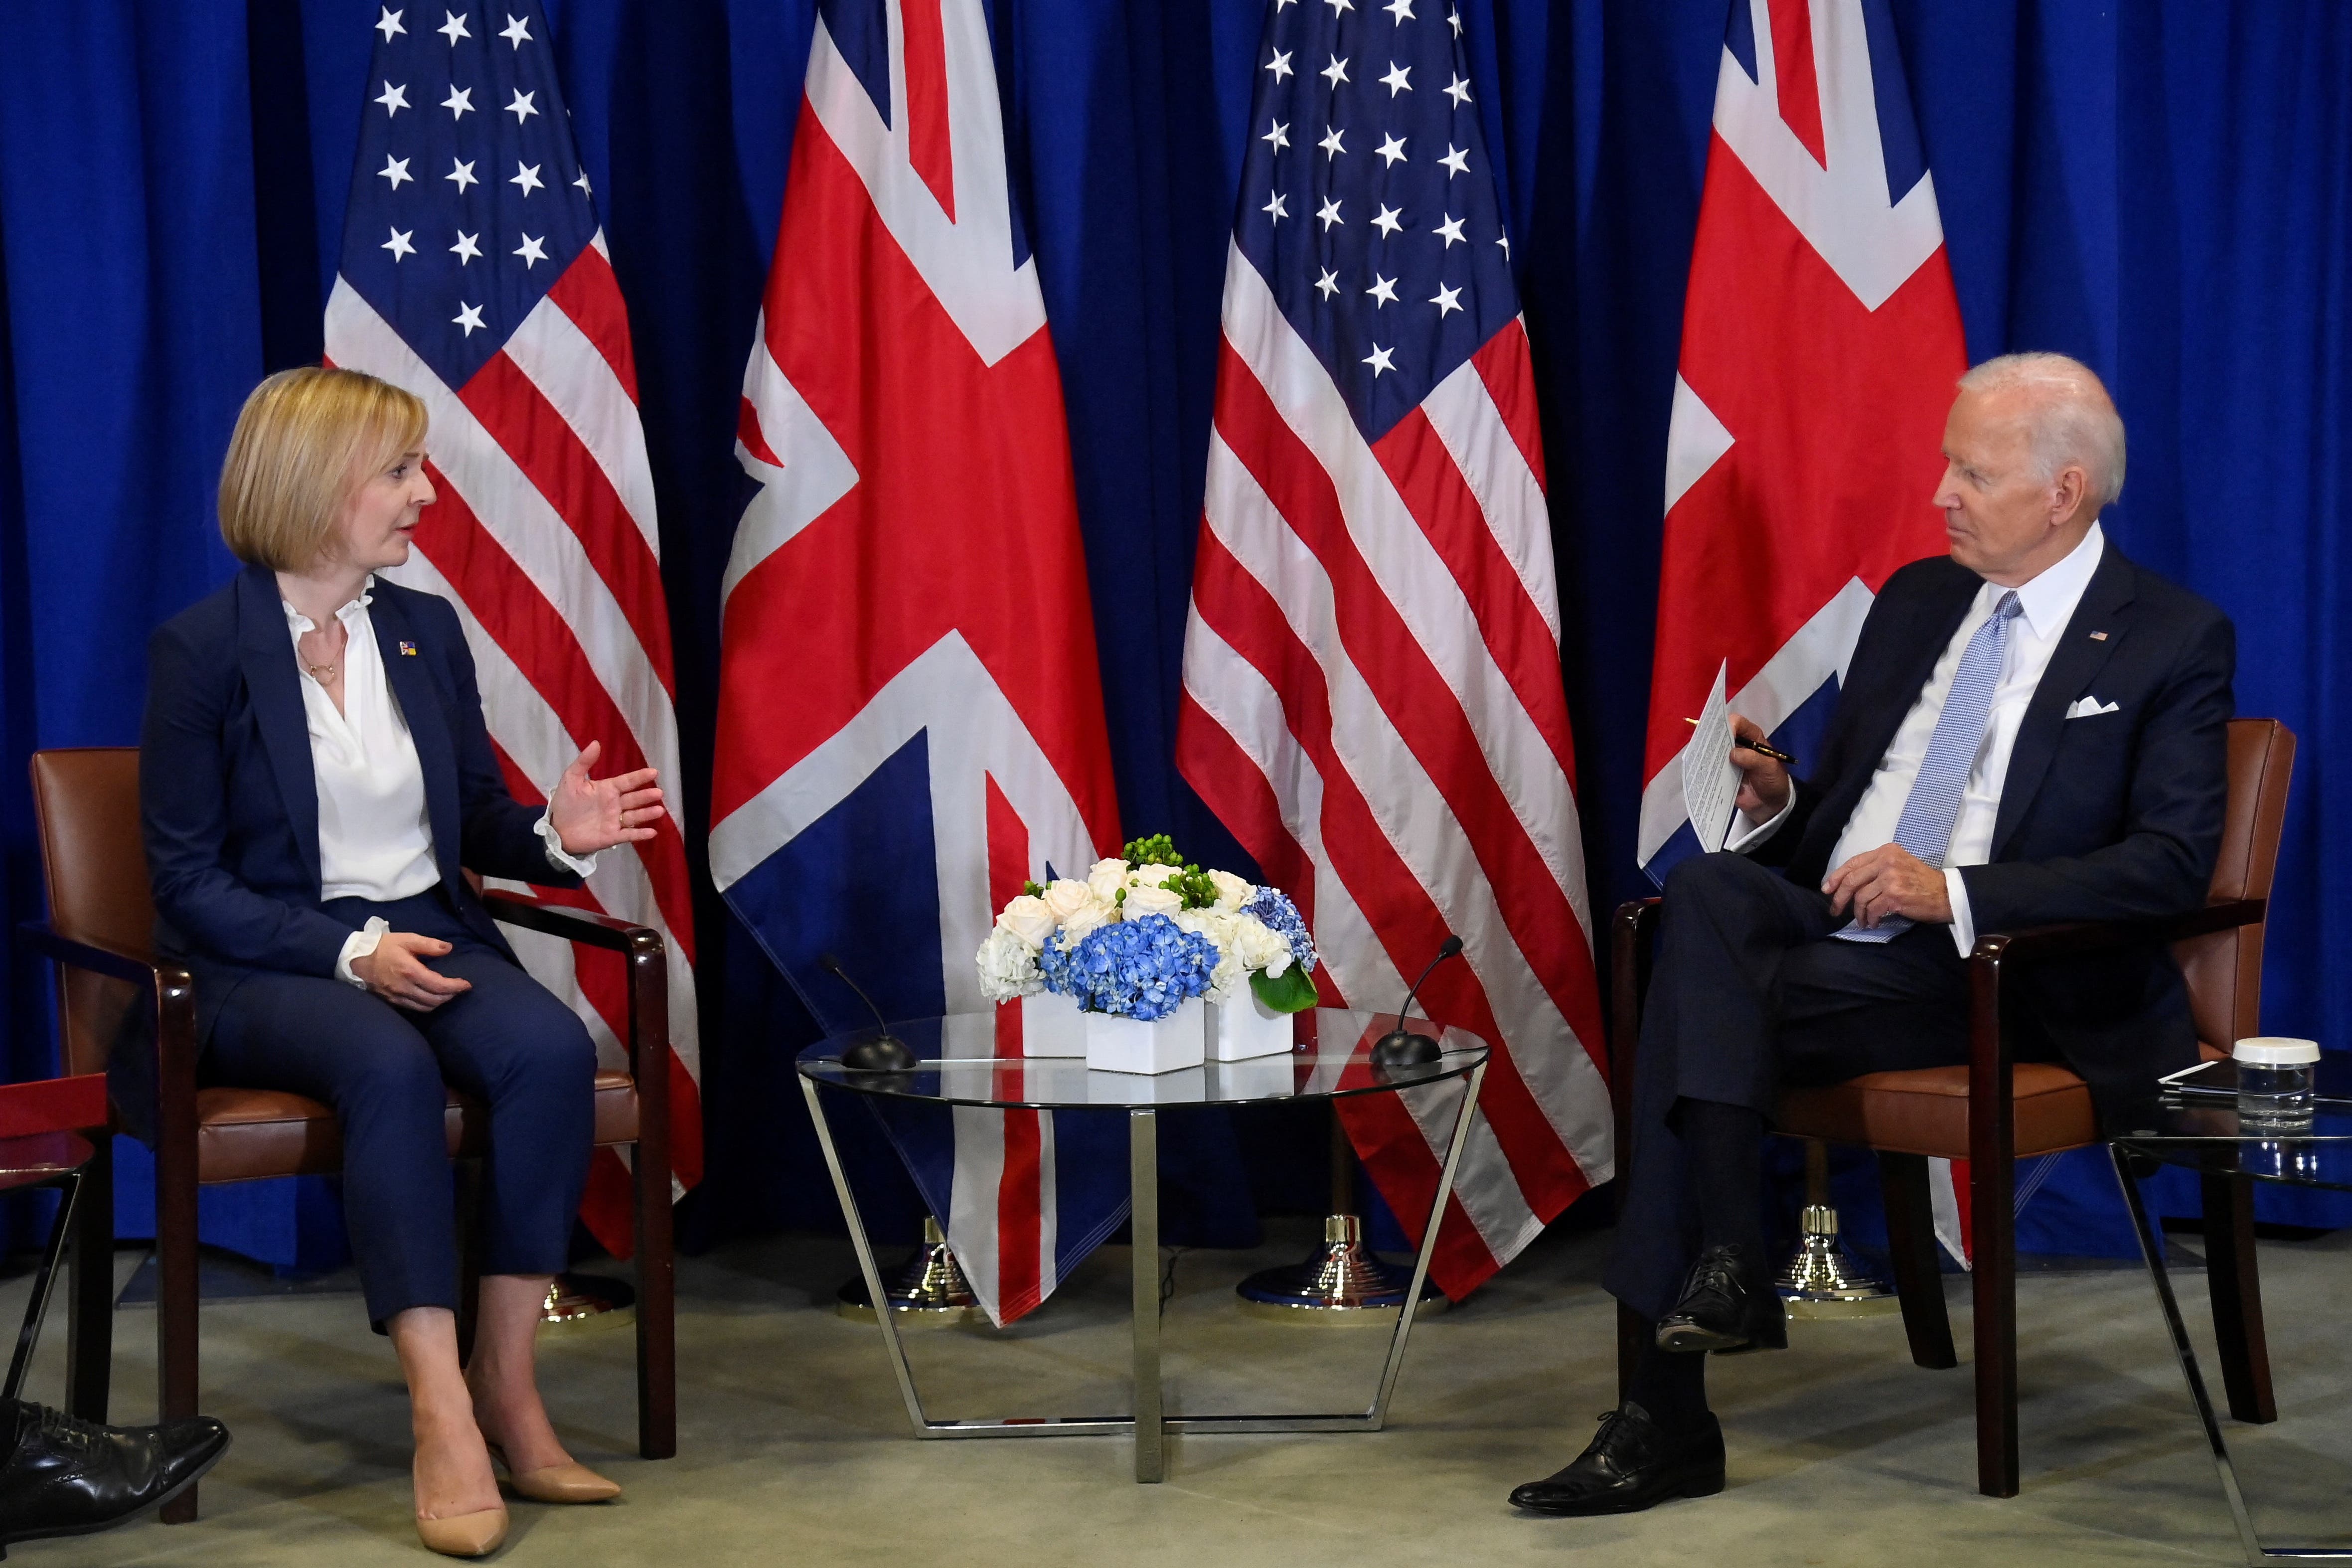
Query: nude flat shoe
(569, 1482)
(464, 1534)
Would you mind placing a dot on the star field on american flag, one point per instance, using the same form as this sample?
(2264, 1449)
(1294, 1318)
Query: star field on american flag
(1367, 202)
(477, 203)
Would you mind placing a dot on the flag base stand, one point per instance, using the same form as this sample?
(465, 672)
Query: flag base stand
(1340, 1285)
(576, 1301)
(1823, 1281)
(931, 1289)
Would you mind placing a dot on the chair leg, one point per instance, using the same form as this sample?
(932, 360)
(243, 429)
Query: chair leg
(1918, 1273)
(656, 1310)
(1993, 1276)
(89, 1290)
(2237, 1288)
(175, 1315)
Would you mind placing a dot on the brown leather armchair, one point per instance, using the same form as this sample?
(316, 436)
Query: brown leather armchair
(1995, 1109)
(115, 990)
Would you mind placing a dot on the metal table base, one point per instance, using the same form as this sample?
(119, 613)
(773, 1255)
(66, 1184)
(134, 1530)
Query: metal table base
(2151, 1248)
(1149, 1424)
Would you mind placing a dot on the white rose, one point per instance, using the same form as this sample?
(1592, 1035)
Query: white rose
(1085, 917)
(1259, 946)
(1066, 897)
(1106, 878)
(1027, 918)
(1232, 891)
(1142, 901)
(1008, 967)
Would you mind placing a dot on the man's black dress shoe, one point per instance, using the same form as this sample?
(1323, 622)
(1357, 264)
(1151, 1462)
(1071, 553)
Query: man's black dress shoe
(65, 1476)
(1631, 1463)
(1728, 1304)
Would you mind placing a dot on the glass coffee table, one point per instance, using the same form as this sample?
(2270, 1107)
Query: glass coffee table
(953, 1061)
(2205, 1132)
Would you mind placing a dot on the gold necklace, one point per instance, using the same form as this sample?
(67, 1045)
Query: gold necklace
(321, 673)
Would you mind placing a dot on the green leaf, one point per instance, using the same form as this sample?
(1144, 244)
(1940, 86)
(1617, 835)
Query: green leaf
(1294, 992)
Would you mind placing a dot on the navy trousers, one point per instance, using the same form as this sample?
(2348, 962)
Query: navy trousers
(1749, 995)
(507, 1042)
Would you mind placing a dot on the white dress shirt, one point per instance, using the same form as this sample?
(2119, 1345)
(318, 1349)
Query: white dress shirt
(375, 839)
(2047, 602)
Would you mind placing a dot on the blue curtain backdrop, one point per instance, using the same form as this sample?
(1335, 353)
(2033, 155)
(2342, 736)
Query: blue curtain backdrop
(2160, 189)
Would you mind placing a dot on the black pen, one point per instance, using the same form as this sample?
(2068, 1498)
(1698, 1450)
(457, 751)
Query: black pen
(1759, 747)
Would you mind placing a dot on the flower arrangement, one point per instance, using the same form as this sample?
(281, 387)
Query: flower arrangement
(1145, 932)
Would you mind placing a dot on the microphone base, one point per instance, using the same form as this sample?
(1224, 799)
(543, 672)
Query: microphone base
(1340, 1285)
(1402, 1049)
(878, 1053)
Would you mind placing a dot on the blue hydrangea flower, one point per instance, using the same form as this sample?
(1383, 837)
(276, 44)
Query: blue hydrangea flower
(1142, 969)
(1272, 906)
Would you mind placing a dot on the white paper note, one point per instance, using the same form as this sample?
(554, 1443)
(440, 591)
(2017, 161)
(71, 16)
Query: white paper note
(1710, 780)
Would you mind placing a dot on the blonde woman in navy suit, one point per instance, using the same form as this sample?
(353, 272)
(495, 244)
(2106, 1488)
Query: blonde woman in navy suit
(314, 772)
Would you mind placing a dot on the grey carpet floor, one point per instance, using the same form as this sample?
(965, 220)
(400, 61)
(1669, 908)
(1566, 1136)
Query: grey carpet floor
(794, 1447)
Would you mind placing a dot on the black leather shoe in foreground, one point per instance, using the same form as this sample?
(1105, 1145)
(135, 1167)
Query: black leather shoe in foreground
(1631, 1463)
(65, 1476)
(1728, 1303)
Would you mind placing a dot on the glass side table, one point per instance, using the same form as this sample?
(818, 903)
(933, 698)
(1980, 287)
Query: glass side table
(956, 1064)
(2205, 1132)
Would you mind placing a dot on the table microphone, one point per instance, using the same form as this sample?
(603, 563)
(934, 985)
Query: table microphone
(1397, 1048)
(881, 1052)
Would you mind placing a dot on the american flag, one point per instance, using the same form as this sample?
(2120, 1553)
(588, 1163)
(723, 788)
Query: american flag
(1821, 340)
(1372, 672)
(910, 715)
(474, 275)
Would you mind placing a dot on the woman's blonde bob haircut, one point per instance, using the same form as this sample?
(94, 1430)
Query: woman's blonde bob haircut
(306, 440)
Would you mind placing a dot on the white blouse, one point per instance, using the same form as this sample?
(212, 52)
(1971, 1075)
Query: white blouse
(375, 839)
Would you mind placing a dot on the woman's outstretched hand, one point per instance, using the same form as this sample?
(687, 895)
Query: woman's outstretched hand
(590, 814)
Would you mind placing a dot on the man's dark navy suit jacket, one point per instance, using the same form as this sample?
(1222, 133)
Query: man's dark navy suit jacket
(229, 805)
(2112, 816)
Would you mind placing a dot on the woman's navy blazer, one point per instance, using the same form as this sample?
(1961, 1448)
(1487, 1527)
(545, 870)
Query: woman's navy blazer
(229, 807)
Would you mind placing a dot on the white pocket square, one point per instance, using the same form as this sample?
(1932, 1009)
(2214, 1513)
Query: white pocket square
(2089, 708)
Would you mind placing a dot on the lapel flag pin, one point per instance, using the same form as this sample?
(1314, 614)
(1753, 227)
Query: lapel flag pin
(410, 648)
(2095, 636)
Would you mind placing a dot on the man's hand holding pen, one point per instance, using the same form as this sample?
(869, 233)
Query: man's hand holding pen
(1763, 773)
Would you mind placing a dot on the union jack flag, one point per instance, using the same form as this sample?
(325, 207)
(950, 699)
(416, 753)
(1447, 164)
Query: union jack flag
(544, 537)
(1373, 695)
(910, 714)
(1820, 342)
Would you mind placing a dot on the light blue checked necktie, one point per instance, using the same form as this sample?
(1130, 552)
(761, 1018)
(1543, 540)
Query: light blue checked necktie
(1924, 829)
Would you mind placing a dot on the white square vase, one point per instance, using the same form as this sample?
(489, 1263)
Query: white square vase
(1129, 1045)
(1052, 1026)
(1246, 1028)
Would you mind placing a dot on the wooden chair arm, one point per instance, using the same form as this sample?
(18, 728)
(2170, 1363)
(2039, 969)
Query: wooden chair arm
(1992, 1104)
(138, 970)
(586, 927)
(2081, 937)
(647, 961)
(1991, 1057)
(163, 1115)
